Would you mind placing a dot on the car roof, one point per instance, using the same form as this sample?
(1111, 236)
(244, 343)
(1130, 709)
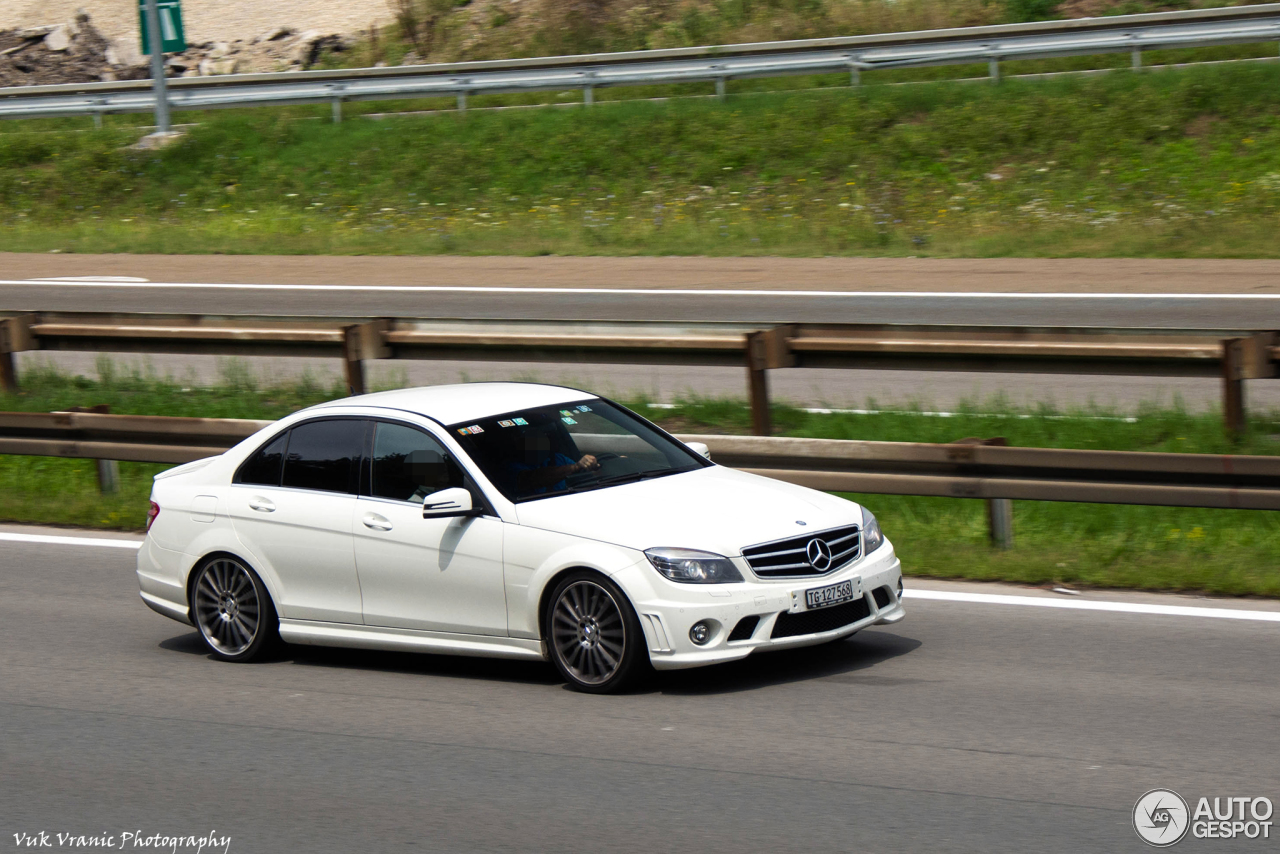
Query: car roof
(451, 404)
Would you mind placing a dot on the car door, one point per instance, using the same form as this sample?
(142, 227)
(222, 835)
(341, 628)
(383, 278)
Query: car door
(442, 575)
(292, 504)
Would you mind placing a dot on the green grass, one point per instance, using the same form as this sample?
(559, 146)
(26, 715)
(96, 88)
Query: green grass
(1230, 552)
(1175, 163)
(467, 29)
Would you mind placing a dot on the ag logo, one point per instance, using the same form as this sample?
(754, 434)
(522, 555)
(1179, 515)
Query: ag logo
(1161, 817)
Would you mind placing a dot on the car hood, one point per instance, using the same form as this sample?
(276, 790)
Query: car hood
(714, 509)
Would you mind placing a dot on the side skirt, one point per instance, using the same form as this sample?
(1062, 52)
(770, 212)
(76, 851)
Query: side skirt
(408, 640)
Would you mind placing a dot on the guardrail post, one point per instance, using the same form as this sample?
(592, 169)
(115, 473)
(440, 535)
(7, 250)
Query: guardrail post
(1000, 522)
(720, 88)
(15, 337)
(353, 365)
(855, 76)
(1233, 374)
(1244, 359)
(993, 70)
(108, 477)
(462, 102)
(1136, 55)
(758, 383)
(769, 348)
(364, 341)
(588, 95)
(8, 374)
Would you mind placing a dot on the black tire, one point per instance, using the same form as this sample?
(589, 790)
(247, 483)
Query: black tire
(233, 610)
(593, 635)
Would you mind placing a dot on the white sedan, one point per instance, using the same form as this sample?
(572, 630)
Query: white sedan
(505, 519)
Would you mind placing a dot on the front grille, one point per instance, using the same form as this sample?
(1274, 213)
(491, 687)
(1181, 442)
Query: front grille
(790, 557)
(822, 620)
(882, 596)
(745, 629)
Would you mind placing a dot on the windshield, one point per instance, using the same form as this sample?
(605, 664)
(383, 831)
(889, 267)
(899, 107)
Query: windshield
(570, 447)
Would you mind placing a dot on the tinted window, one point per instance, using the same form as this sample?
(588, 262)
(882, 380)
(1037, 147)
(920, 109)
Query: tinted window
(409, 465)
(324, 455)
(263, 468)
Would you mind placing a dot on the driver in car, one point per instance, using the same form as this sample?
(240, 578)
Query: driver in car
(541, 469)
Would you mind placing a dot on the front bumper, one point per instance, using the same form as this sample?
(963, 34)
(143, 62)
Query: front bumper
(667, 611)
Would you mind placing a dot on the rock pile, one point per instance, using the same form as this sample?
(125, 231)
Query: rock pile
(76, 52)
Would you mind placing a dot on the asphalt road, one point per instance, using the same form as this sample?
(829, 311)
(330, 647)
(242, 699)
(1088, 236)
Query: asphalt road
(793, 304)
(1018, 291)
(964, 728)
(1212, 294)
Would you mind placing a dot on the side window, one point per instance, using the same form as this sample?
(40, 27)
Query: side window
(409, 465)
(325, 455)
(263, 468)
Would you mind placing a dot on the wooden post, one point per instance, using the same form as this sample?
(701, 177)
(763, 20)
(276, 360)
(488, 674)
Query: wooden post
(1233, 374)
(758, 383)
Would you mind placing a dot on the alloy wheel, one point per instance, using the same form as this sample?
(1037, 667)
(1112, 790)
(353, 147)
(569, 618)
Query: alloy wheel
(227, 606)
(589, 632)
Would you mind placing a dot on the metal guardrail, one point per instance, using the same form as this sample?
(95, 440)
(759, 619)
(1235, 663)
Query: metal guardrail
(966, 469)
(1232, 355)
(1122, 34)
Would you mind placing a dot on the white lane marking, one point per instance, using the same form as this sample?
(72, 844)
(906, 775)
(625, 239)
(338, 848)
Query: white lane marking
(43, 539)
(1127, 419)
(109, 279)
(1087, 605)
(102, 283)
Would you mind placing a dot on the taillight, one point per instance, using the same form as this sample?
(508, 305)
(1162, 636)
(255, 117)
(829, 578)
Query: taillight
(152, 512)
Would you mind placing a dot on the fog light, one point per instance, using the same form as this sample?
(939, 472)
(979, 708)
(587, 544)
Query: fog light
(700, 633)
(899, 586)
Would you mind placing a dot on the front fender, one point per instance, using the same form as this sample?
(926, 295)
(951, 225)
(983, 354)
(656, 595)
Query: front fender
(535, 558)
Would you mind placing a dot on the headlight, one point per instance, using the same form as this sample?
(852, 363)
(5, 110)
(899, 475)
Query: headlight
(871, 536)
(693, 567)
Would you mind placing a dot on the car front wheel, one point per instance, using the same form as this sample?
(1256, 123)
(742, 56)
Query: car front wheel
(233, 611)
(594, 637)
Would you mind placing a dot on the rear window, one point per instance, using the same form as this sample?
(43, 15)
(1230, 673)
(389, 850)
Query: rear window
(263, 468)
(325, 455)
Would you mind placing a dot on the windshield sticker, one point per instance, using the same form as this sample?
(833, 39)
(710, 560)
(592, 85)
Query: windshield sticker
(568, 420)
(464, 431)
(520, 422)
(475, 428)
(506, 423)
(566, 413)
(584, 408)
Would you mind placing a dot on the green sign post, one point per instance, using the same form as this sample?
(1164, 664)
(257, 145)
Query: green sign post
(172, 39)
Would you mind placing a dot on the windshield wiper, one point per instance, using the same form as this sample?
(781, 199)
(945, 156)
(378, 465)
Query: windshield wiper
(633, 476)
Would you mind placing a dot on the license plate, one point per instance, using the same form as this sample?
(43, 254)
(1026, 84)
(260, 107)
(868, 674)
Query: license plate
(825, 597)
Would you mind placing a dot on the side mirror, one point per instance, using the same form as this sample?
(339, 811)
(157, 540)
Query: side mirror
(454, 501)
(699, 448)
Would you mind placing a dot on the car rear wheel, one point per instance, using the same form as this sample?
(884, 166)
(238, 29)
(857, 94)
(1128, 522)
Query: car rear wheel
(593, 635)
(233, 611)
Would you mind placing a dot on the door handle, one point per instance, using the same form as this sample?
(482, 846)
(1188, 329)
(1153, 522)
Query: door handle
(376, 522)
(262, 505)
